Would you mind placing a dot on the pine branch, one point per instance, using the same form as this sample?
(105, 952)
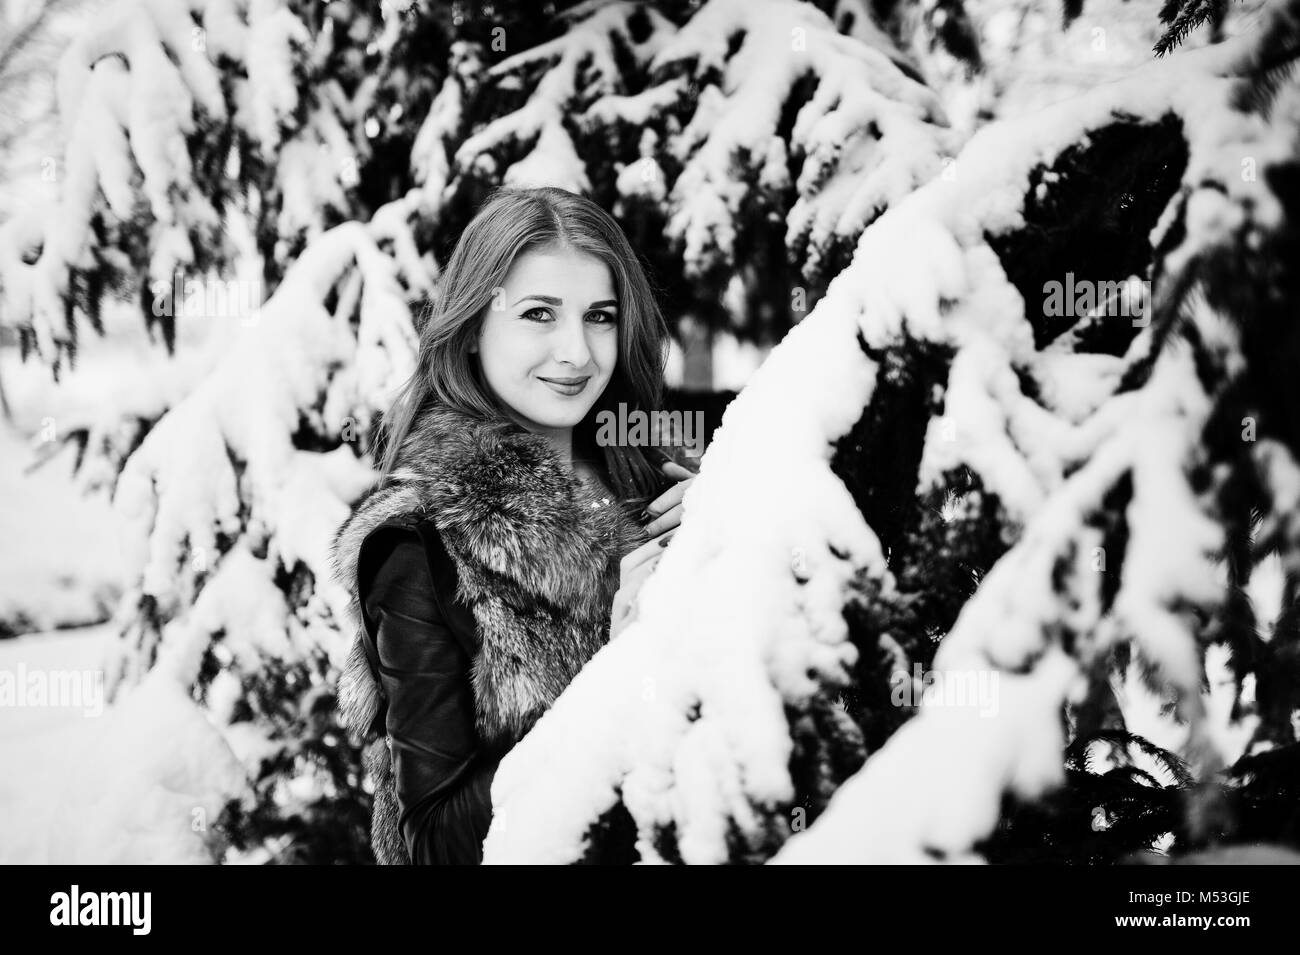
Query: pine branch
(1124, 739)
(1169, 11)
(1192, 15)
(1133, 776)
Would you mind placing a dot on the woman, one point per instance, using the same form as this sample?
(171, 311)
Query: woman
(486, 563)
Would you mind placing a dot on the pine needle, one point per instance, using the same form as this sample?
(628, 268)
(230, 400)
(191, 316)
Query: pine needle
(1192, 15)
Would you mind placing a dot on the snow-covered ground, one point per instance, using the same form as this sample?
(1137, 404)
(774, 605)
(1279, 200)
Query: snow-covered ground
(88, 783)
(83, 781)
(59, 554)
(61, 562)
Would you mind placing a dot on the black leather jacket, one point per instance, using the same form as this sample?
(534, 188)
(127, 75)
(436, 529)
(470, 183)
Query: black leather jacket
(426, 641)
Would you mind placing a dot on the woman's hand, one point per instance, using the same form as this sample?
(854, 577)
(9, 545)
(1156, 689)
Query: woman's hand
(666, 510)
(632, 572)
(666, 513)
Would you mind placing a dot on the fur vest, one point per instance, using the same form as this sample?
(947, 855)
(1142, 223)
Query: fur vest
(537, 560)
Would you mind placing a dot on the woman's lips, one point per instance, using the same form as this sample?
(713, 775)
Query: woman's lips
(566, 386)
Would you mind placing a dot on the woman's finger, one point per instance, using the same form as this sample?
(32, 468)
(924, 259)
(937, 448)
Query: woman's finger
(669, 498)
(677, 471)
(639, 555)
(666, 521)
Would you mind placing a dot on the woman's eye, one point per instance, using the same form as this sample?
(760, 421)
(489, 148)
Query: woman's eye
(540, 314)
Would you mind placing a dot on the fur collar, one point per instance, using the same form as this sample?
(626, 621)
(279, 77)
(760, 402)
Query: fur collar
(537, 559)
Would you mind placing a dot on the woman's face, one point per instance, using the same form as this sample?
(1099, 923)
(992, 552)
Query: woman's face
(549, 339)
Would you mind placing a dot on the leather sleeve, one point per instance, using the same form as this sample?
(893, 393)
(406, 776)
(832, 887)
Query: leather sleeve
(442, 773)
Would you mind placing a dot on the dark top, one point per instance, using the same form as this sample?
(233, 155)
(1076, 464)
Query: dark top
(441, 771)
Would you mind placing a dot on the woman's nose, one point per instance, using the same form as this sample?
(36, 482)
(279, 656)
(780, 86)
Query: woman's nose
(571, 342)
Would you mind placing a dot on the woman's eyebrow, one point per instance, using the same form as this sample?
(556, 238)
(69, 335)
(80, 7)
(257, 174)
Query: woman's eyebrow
(552, 300)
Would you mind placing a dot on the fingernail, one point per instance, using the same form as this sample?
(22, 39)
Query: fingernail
(646, 515)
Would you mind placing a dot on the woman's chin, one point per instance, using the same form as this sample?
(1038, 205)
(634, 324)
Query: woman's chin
(559, 414)
(562, 419)
(562, 411)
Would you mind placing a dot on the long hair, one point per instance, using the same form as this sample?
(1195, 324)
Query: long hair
(511, 222)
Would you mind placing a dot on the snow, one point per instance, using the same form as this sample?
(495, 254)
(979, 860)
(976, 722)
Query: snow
(132, 85)
(579, 65)
(1171, 541)
(1169, 556)
(108, 789)
(684, 716)
(1074, 385)
(429, 161)
(1276, 466)
(723, 621)
(735, 361)
(56, 569)
(849, 174)
(67, 570)
(724, 625)
(272, 36)
(1031, 60)
(1006, 626)
(180, 488)
(868, 135)
(115, 790)
(1267, 589)
(873, 819)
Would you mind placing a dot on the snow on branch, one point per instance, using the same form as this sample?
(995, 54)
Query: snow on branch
(749, 111)
(218, 496)
(742, 614)
(430, 163)
(683, 724)
(566, 75)
(160, 102)
(960, 760)
(864, 135)
(1040, 621)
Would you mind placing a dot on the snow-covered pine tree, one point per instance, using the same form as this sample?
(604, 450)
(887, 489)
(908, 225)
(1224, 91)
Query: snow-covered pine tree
(707, 125)
(1077, 496)
(327, 156)
(183, 121)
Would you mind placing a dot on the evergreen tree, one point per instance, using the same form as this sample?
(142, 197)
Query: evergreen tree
(1067, 494)
(299, 170)
(952, 453)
